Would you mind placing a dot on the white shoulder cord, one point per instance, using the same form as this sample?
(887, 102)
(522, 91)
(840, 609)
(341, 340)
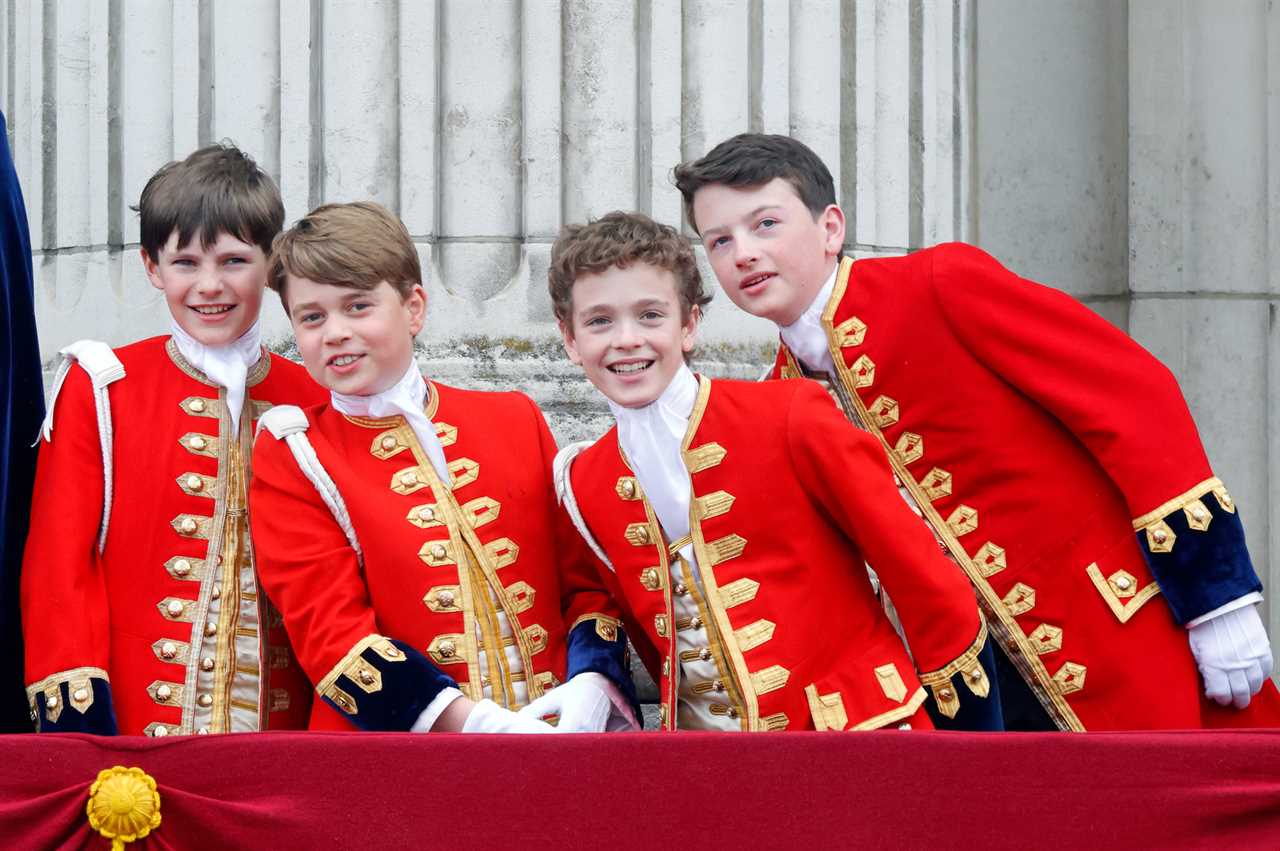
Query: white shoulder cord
(564, 493)
(104, 368)
(289, 423)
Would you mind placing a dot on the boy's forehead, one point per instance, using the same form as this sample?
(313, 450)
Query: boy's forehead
(619, 284)
(722, 201)
(202, 240)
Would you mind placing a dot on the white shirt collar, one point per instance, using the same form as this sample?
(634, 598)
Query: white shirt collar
(405, 398)
(227, 366)
(806, 338)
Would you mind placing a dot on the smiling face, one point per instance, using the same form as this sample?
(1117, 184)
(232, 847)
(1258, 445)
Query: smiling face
(770, 254)
(626, 331)
(214, 293)
(356, 342)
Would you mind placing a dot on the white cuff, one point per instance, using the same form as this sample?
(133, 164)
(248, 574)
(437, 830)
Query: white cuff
(434, 710)
(1250, 599)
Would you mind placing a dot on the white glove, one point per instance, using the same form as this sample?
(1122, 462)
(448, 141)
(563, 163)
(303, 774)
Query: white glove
(489, 717)
(588, 703)
(1233, 654)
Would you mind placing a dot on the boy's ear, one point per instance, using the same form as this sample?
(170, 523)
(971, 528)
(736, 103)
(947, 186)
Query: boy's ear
(152, 269)
(416, 304)
(689, 337)
(832, 221)
(570, 345)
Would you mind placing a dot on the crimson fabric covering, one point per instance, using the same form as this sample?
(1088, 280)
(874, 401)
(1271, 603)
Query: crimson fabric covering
(624, 791)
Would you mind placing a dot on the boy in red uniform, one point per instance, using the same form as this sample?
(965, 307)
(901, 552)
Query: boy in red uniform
(140, 609)
(1035, 438)
(736, 518)
(408, 530)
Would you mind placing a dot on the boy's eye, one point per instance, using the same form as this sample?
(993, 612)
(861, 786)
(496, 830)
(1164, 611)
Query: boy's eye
(719, 241)
(652, 314)
(308, 318)
(597, 322)
(767, 223)
(186, 262)
(235, 261)
(357, 306)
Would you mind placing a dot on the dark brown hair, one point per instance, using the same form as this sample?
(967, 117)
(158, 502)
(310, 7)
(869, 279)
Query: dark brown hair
(753, 159)
(218, 189)
(356, 245)
(620, 239)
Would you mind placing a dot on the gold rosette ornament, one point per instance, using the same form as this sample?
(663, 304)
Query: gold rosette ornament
(124, 805)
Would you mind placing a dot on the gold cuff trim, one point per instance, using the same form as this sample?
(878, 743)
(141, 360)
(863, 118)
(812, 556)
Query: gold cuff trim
(1121, 585)
(975, 677)
(885, 718)
(378, 643)
(827, 709)
(606, 627)
(1184, 500)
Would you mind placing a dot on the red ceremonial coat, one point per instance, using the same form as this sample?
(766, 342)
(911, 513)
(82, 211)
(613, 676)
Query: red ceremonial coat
(788, 503)
(167, 613)
(433, 554)
(1058, 462)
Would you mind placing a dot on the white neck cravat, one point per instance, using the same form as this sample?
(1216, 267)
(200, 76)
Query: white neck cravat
(405, 398)
(651, 437)
(227, 366)
(806, 338)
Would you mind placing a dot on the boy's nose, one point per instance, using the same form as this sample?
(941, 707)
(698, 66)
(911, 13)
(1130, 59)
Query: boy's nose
(745, 252)
(209, 282)
(336, 331)
(627, 336)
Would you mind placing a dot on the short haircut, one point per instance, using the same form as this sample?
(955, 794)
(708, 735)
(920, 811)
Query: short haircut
(620, 239)
(357, 245)
(754, 159)
(218, 189)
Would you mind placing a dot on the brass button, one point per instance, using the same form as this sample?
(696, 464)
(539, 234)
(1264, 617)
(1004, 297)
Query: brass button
(1160, 536)
(392, 652)
(445, 598)
(168, 650)
(174, 608)
(718, 685)
(975, 675)
(1198, 513)
(211, 628)
(80, 695)
(628, 488)
(163, 693)
(182, 567)
(438, 551)
(203, 731)
(681, 589)
(447, 649)
(197, 406)
(704, 654)
(219, 561)
(205, 700)
(733, 713)
(195, 483)
(207, 663)
(160, 732)
(1226, 500)
(945, 694)
(388, 443)
(427, 513)
(695, 622)
(1123, 583)
(409, 479)
(904, 726)
(188, 526)
(51, 702)
(366, 676)
(198, 443)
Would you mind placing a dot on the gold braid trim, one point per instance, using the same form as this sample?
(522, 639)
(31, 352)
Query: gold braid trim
(1178, 502)
(606, 626)
(380, 644)
(64, 677)
(966, 663)
(906, 710)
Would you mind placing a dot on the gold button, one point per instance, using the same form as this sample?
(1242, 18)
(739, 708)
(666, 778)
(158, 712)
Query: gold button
(1123, 583)
(195, 483)
(1198, 513)
(438, 551)
(629, 488)
(188, 526)
(681, 589)
(51, 702)
(161, 731)
(392, 652)
(704, 654)
(1160, 537)
(182, 567)
(718, 685)
(217, 592)
(205, 700)
(695, 622)
(945, 694)
(207, 663)
(388, 443)
(198, 443)
(203, 731)
(163, 693)
(445, 598)
(174, 608)
(168, 650)
(366, 676)
(904, 726)
(427, 513)
(1226, 499)
(733, 713)
(409, 479)
(447, 649)
(197, 406)
(211, 628)
(975, 675)
(80, 695)
(219, 560)
(666, 667)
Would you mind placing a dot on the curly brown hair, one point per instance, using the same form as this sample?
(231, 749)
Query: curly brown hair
(620, 239)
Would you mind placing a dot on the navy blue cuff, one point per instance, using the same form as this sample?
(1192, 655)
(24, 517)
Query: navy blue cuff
(383, 685)
(1197, 554)
(600, 646)
(980, 713)
(84, 709)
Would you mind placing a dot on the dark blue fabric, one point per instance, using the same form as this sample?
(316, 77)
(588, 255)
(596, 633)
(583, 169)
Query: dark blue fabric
(1204, 570)
(588, 652)
(21, 410)
(408, 685)
(100, 719)
(977, 714)
(1021, 710)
